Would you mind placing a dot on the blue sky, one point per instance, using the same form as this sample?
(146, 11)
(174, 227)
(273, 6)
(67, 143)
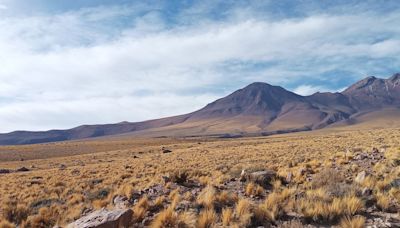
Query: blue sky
(66, 63)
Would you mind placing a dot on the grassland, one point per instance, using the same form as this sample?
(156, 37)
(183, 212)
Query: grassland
(68, 179)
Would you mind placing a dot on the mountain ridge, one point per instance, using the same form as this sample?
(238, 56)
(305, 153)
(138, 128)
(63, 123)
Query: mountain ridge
(259, 108)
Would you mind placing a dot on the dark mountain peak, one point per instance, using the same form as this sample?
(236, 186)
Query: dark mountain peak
(372, 93)
(255, 99)
(395, 78)
(258, 85)
(363, 83)
(263, 91)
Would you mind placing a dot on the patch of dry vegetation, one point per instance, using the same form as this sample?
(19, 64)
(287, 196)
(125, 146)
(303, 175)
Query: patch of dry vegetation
(315, 183)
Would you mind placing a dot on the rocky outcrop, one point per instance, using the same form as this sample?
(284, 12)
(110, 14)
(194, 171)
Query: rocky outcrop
(263, 178)
(119, 218)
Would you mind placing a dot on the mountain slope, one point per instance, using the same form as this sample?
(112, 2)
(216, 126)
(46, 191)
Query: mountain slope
(372, 93)
(259, 108)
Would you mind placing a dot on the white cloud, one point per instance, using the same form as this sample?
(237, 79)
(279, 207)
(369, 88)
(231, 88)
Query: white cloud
(69, 69)
(306, 90)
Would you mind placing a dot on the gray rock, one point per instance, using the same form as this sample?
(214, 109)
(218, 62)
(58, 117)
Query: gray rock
(75, 172)
(361, 156)
(395, 183)
(289, 177)
(262, 178)
(366, 192)
(120, 202)
(360, 177)
(119, 218)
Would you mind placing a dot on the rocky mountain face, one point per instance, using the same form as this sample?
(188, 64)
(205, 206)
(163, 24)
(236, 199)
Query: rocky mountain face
(257, 108)
(372, 93)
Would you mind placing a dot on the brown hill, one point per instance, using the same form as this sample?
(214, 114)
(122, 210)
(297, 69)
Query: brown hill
(259, 108)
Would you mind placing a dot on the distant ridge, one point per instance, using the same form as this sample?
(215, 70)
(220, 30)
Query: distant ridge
(258, 108)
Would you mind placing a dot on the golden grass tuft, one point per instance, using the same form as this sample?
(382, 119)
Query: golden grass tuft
(250, 188)
(273, 199)
(100, 203)
(352, 204)
(173, 194)
(253, 189)
(395, 194)
(243, 207)
(243, 212)
(352, 222)
(226, 198)
(125, 190)
(207, 197)
(382, 201)
(207, 219)
(317, 194)
(47, 217)
(159, 201)
(276, 184)
(227, 216)
(166, 218)
(186, 220)
(263, 214)
(140, 209)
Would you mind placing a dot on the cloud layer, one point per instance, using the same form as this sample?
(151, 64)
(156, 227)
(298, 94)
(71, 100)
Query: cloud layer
(134, 62)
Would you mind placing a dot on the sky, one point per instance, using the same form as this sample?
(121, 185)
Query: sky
(66, 63)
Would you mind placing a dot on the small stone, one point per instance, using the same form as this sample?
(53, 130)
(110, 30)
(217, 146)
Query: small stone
(366, 192)
(395, 183)
(120, 201)
(360, 177)
(289, 177)
(75, 172)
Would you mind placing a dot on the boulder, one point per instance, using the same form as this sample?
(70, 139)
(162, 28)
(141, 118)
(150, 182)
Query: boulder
(360, 177)
(263, 178)
(118, 218)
